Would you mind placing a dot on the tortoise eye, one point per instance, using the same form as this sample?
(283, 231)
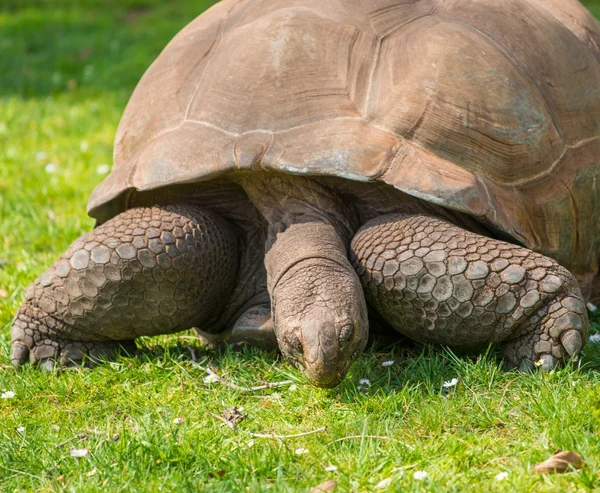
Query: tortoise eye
(293, 342)
(346, 334)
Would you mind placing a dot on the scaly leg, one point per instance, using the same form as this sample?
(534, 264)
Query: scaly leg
(147, 271)
(434, 281)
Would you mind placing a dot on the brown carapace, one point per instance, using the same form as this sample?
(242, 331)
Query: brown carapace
(434, 161)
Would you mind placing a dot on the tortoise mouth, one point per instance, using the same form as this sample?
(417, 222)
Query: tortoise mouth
(321, 374)
(326, 384)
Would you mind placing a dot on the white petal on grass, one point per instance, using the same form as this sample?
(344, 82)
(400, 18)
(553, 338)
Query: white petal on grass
(364, 381)
(301, 451)
(50, 168)
(384, 483)
(293, 387)
(250, 443)
(103, 169)
(178, 421)
(79, 452)
(211, 379)
(92, 472)
(21, 429)
(420, 475)
(595, 338)
(591, 307)
(331, 468)
(8, 394)
(501, 476)
(450, 383)
(40, 156)
(388, 363)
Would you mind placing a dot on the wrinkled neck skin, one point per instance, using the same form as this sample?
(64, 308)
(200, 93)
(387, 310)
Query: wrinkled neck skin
(319, 311)
(318, 307)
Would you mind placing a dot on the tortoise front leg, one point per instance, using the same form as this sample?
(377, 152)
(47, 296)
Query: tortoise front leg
(147, 271)
(434, 281)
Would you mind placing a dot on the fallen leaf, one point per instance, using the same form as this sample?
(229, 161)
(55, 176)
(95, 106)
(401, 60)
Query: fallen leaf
(234, 416)
(560, 461)
(326, 486)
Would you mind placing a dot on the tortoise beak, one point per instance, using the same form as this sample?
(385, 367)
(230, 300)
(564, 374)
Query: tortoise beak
(324, 363)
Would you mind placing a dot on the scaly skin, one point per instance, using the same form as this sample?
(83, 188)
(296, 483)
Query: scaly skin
(433, 281)
(147, 271)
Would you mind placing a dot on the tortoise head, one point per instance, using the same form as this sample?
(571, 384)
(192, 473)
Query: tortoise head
(321, 326)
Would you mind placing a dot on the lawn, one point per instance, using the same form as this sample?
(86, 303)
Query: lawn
(150, 422)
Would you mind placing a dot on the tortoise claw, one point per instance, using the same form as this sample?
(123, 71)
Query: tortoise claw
(19, 354)
(572, 342)
(549, 362)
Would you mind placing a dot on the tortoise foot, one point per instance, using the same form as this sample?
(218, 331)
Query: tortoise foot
(34, 340)
(554, 335)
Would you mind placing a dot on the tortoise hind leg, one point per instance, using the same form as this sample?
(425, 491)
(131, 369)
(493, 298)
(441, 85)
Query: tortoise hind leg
(434, 281)
(254, 327)
(147, 271)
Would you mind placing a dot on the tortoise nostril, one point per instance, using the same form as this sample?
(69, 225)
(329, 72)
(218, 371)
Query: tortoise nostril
(346, 334)
(293, 342)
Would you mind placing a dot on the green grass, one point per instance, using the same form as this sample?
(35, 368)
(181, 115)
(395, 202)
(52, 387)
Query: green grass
(67, 69)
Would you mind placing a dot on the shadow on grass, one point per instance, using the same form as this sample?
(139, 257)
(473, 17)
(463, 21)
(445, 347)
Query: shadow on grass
(421, 365)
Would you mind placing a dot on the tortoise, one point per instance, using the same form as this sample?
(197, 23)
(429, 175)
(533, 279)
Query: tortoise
(286, 166)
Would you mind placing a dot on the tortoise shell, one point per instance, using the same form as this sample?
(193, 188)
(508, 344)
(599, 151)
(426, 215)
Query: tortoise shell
(485, 107)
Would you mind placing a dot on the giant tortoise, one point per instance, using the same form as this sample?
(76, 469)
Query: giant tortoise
(305, 161)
